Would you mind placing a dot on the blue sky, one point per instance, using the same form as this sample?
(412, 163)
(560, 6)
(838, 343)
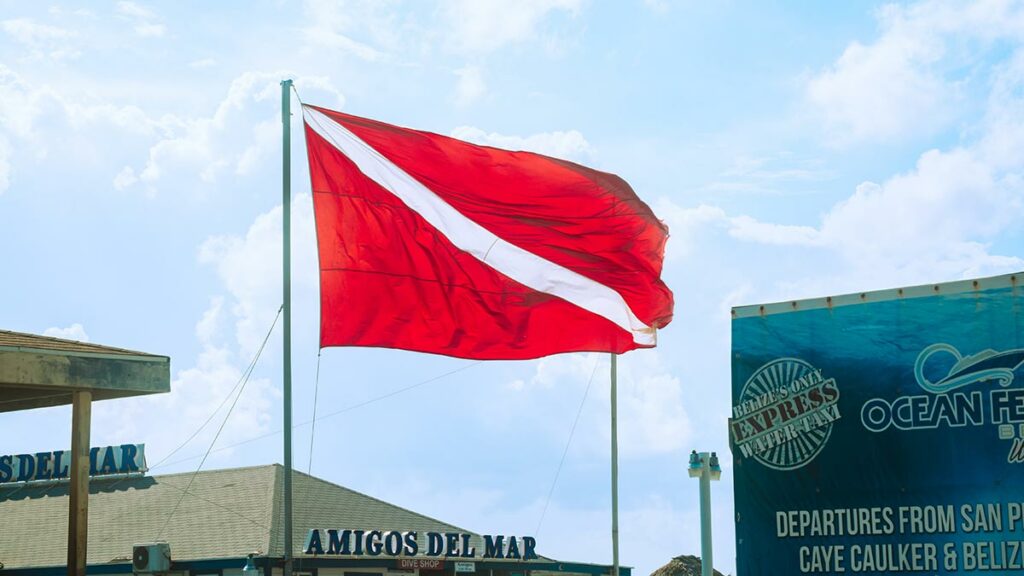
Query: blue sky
(794, 149)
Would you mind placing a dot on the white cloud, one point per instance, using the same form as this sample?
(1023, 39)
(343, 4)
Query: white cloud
(334, 40)
(908, 82)
(780, 174)
(249, 268)
(482, 27)
(1003, 124)
(570, 144)
(28, 31)
(61, 12)
(73, 332)
(381, 30)
(146, 21)
(692, 230)
(236, 138)
(551, 370)
(686, 225)
(736, 297)
(203, 63)
(652, 419)
(948, 196)
(134, 10)
(658, 6)
(747, 228)
(930, 223)
(42, 40)
(125, 178)
(881, 91)
(20, 103)
(150, 30)
(5, 165)
(265, 136)
(471, 86)
(333, 24)
(239, 133)
(934, 221)
(208, 327)
(37, 118)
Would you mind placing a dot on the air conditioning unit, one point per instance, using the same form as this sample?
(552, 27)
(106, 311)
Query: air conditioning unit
(151, 558)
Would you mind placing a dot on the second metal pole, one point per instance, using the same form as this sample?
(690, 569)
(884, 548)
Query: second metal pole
(615, 469)
(286, 216)
(707, 563)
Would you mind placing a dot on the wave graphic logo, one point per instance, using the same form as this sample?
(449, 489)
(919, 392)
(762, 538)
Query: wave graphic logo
(984, 366)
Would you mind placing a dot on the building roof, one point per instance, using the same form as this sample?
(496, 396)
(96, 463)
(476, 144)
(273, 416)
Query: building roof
(38, 371)
(25, 341)
(225, 514)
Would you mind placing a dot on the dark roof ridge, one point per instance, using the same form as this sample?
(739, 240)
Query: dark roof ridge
(212, 471)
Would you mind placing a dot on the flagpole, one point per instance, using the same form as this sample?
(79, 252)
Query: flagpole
(615, 469)
(286, 217)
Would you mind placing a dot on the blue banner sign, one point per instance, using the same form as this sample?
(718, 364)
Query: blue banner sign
(881, 433)
(395, 543)
(43, 466)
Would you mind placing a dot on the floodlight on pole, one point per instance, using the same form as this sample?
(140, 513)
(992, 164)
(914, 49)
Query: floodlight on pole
(705, 466)
(250, 568)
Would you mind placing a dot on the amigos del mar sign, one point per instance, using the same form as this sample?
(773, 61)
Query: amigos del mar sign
(49, 466)
(439, 545)
(881, 432)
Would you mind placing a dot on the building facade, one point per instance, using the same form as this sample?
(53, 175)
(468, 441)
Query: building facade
(215, 520)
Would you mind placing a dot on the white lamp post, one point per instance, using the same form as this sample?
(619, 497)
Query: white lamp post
(705, 466)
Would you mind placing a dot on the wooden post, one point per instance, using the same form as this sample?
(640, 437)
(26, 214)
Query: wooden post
(78, 513)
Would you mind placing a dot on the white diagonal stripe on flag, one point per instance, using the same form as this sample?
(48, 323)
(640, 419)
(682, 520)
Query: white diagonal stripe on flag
(514, 262)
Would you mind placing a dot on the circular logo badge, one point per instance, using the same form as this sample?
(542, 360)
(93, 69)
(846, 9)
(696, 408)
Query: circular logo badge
(785, 414)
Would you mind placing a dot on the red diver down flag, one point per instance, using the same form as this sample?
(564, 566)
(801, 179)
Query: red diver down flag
(432, 244)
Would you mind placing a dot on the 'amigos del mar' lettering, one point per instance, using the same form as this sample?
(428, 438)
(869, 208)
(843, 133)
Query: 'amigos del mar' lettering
(406, 544)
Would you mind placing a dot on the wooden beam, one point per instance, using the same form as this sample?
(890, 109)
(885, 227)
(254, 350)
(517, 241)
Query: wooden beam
(78, 513)
(48, 379)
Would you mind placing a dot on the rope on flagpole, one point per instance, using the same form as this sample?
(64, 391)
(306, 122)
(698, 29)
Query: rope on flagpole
(227, 416)
(241, 379)
(572, 431)
(338, 412)
(316, 393)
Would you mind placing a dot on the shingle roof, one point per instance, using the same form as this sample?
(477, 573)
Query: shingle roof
(226, 514)
(321, 504)
(226, 511)
(10, 339)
